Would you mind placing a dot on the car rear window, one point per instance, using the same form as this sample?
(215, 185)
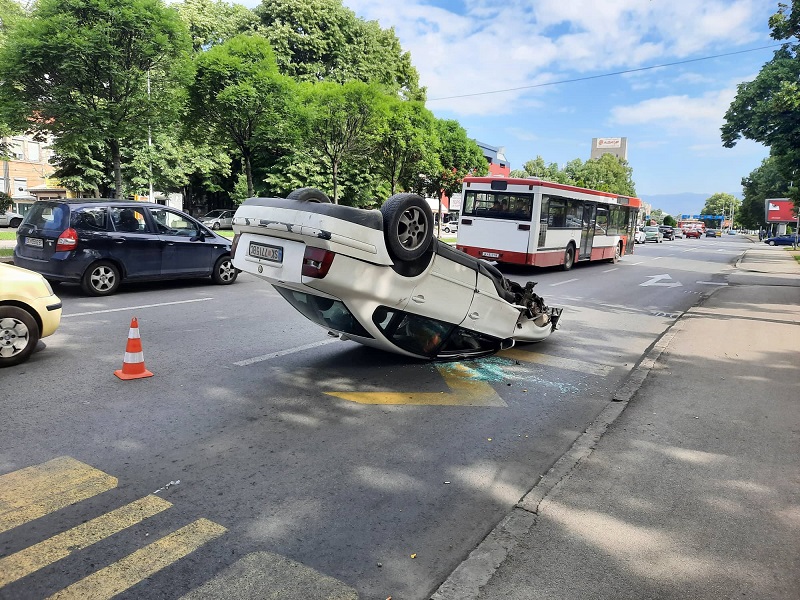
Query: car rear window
(48, 216)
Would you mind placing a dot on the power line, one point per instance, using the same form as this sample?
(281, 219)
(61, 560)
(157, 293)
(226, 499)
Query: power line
(538, 85)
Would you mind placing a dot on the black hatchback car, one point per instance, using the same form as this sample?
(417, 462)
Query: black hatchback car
(99, 243)
(667, 231)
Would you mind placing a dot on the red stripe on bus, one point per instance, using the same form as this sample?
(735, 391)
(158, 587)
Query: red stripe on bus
(636, 202)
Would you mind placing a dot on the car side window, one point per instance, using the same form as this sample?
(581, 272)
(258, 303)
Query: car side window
(172, 223)
(127, 219)
(91, 219)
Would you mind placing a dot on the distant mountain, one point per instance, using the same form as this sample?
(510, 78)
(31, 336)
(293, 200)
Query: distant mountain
(686, 203)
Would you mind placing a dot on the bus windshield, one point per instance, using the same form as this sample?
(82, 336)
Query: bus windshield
(498, 205)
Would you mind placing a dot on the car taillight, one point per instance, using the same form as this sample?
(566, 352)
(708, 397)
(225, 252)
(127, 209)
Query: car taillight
(317, 262)
(234, 244)
(68, 240)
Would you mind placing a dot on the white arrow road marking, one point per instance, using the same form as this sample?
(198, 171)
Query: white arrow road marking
(656, 280)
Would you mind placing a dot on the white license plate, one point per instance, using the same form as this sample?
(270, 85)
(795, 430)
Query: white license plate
(265, 252)
(35, 242)
(490, 254)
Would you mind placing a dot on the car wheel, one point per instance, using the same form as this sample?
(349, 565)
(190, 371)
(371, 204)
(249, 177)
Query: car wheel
(309, 194)
(215, 227)
(771, 242)
(19, 334)
(569, 258)
(15, 222)
(224, 272)
(407, 226)
(101, 279)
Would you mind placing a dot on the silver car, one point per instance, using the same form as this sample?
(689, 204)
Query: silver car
(218, 219)
(10, 219)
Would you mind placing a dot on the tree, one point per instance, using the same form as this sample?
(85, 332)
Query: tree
(339, 121)
(607, 173)
(721, 204)
(767, 109)
(538, 168)
(459, 156)
(321, 40)
(764, 182)
(79, 69)
(406, 143)
(239, 94)
(670, 220)
(211, 22)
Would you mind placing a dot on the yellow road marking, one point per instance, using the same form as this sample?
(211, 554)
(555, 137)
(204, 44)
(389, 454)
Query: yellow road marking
(464, 391)
(127, 572)
(33, 492)
(31, 559)
(555, 361)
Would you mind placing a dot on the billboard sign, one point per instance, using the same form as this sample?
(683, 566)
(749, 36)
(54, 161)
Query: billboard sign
(609, 142)
(780, 210)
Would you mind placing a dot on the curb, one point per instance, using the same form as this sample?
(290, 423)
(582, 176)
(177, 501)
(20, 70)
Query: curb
(466, 581)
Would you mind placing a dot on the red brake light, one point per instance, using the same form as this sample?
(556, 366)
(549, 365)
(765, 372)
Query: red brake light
(317, 262)
(68, 240)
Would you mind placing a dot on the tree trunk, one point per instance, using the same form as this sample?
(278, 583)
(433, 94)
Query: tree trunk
(117, 161)
(335, 173)
(248, 169)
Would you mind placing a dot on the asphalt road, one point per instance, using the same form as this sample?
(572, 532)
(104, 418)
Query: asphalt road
(381, 491)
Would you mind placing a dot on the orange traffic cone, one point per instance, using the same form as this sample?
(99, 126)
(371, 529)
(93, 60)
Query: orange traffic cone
(133, 363)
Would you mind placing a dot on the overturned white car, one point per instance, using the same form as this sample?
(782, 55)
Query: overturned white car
(378, 277)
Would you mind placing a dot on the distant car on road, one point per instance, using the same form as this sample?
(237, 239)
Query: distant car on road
(712, 233)
(639, 236)
(783, 240)
(678, 232)
(652, 234)
(10, 219)
(692, 233)
(667, 231)
(29, 310)
(218, 219)
(451, 227)
(100, 242)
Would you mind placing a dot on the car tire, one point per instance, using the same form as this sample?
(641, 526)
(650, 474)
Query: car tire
(309, 194)
(15, 222)
(224, 272)
(569, 258)
(19, 334)
(407, 226)
(215, 227)
(101, 279)
(771, 242)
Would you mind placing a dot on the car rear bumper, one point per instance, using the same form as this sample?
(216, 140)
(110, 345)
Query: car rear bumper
(56, 268)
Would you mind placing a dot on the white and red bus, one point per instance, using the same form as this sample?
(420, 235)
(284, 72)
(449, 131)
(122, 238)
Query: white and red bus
(544, 224)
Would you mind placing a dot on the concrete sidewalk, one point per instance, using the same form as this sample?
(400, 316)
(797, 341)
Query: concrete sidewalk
(693, 491)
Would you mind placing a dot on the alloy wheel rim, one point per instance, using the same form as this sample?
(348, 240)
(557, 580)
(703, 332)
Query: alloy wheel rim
(14, 337)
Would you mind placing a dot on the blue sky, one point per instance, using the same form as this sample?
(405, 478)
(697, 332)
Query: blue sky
(670, 115)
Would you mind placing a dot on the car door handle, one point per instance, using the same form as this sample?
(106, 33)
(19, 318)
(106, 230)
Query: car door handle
(119, 241)
(474, 315)
(419, 299)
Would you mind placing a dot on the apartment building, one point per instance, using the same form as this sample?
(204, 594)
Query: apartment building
(27, 175)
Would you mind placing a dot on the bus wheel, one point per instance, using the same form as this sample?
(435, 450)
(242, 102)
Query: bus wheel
(407, 226)
(309, 194)
(617, 254)
(569, 258)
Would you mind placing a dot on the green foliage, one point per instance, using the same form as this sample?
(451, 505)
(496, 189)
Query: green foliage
(458, 155)
(338, 121)
(669, 220)
(720, 204)
(764, 182)
(321, 40)
(81, 68)
(767, 109)
(405, 143)
(607, 173)
(239, 95)
(5, 202)
(213, 22)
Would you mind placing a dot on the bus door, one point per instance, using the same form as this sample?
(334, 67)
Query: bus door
(587, 233)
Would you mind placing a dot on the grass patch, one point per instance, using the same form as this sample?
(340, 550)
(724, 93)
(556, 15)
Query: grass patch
(8, 234)
(6, 252)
